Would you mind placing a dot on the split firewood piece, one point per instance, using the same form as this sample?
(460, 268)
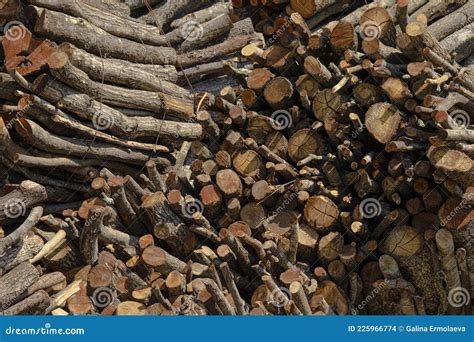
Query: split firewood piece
(61, 68)
(113, 24)
(207, 32)
(19, 234)
(51, 247)
(382, 121)
(23, 53)
(175, 283)
(80, 32)
(455, 163)
(406, 245)
(14, 285)
(258, 79)
(320, 212)
(158, 78)
(460, 221)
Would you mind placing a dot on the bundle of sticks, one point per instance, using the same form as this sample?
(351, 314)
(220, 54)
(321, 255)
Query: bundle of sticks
(237, 158)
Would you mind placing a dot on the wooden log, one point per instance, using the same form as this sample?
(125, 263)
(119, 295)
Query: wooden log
(15, 283)
(119, 26)
(406, 245)
(16, 202)
(62, 69)
(80, 32)
(108, 118)
(140, 76)
(36, 135)
(202, 34)
(162, 261)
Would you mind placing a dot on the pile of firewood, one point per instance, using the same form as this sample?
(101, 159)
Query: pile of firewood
(188, 157)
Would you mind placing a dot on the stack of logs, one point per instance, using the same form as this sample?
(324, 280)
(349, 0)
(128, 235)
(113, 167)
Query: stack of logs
(322, 166)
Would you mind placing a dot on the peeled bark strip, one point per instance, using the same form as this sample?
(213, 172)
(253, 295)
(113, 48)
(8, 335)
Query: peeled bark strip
(83, 34)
